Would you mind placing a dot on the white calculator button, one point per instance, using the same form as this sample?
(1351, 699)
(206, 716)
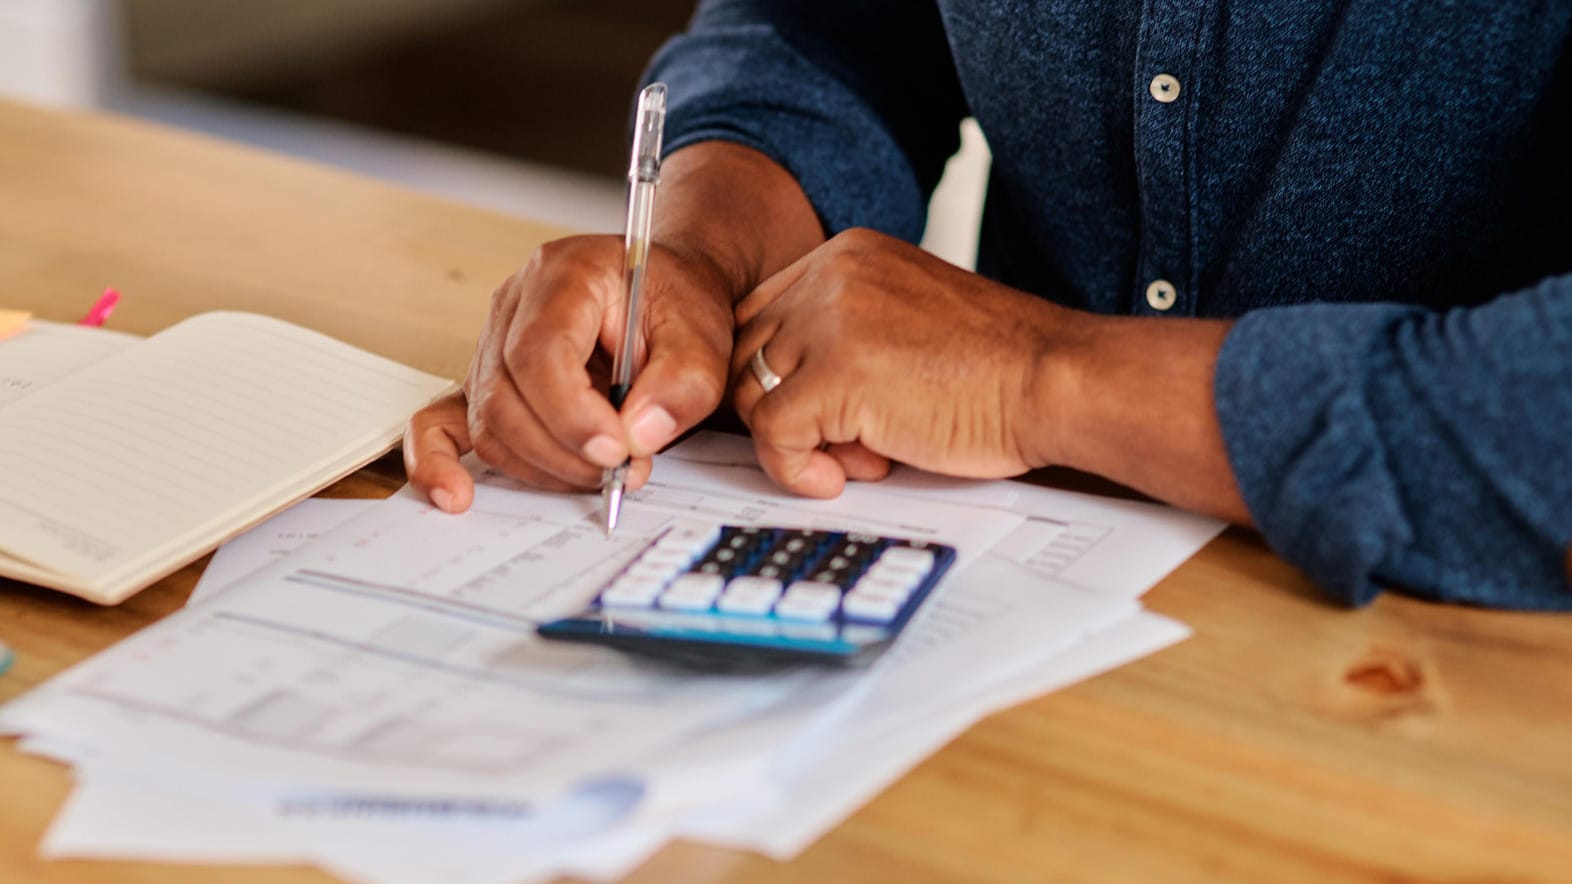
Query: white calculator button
(750, 595)
(866, 605)
(670, 559)
(809, 600)
(632, 591)
(893, 584)
(651, 570)
(689, 537)
(907, 558)
(692, 592)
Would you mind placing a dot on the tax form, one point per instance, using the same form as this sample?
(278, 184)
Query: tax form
(765, 763)
(396, 655)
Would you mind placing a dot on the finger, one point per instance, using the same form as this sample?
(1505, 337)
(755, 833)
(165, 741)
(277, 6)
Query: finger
(546, 353)
(436, 437)
(858, 462)
(789, 441)
(684, 378)
(509, 435)
(638, 473)
(768, 291)
(766, 332)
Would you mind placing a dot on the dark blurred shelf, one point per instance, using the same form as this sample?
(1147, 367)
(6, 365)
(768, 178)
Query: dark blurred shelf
(545, 81)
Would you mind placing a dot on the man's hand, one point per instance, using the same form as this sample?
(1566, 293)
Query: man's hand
(888, 353)
(534, 404)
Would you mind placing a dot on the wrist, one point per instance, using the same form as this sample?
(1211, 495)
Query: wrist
(1055, 386)
(735, 213)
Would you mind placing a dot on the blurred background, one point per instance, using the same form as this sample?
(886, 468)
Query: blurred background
(514, 105)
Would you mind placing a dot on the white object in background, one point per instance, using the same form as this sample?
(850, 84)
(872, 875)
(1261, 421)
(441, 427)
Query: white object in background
(955, 210)
(59, 52)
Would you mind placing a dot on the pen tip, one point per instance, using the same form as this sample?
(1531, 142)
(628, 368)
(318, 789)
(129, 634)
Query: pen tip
(613, 507)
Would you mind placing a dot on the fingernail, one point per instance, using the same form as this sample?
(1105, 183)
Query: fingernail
(603, 451)
(443, 498)
(653, 428)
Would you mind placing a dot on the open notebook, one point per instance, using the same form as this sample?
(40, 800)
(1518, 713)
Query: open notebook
(122, 459)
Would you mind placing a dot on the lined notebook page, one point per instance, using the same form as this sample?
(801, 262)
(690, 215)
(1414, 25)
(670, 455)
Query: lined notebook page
(45, 352)
(144, 460)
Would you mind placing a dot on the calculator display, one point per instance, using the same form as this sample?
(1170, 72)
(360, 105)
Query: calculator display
(769, 593)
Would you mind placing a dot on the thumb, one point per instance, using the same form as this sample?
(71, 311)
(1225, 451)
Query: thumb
(681, 384)
(437, 436)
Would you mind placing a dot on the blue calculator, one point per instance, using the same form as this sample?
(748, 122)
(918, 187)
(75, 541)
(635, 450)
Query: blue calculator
(711, 594)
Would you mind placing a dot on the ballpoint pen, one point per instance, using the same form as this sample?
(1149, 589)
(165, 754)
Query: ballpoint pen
(643, 175)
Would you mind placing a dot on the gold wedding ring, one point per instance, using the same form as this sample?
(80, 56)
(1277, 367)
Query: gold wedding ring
(768, 379)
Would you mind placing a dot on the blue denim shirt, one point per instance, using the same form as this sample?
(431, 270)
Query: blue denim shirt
(1380, 189)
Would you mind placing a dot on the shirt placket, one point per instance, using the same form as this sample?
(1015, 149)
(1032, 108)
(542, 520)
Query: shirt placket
(1164, 82)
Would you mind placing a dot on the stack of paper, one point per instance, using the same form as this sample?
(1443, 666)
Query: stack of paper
(371, 696)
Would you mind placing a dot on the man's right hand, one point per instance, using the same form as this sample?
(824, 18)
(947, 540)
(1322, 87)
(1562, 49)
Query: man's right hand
(534, 403)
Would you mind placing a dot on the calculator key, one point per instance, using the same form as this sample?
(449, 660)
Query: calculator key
(652, 570)
(692, 592)
(895, 584)
(809, 600)
(750, 595)
(636, 592)
(688, 537)
(865, 605)
(907, 558)
(671, 559)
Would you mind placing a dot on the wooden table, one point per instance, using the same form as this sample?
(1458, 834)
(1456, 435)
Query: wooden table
(1289, 740)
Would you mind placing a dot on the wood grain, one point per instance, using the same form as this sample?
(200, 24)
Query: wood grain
(1288, 741)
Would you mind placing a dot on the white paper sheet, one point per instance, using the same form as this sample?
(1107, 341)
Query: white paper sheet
(116, 816)
(1121, 547)
(273, 539)
(326, 673)
(235, 709)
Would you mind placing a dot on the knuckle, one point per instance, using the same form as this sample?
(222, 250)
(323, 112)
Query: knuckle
(705, 385)
(488, 413)
(490, 450)
(856, 238)
(766, 422)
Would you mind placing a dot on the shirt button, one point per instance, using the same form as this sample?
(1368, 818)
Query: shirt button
(1165, 88)
(1160, 295)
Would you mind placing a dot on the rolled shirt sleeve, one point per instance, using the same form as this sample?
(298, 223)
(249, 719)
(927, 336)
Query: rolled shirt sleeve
(858, 101)
(1380, 445)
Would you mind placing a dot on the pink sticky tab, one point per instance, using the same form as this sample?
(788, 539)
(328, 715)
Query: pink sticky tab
(104, 306)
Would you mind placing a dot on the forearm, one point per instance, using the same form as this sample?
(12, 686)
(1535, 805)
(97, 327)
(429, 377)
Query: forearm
(735, 211)
(1131, 399)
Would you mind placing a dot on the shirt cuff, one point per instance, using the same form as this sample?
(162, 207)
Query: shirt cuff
(746, 85)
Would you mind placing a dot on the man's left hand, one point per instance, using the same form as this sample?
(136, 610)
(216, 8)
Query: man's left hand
(888, 353)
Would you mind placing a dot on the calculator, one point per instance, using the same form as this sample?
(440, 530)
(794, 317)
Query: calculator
(710, 594)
